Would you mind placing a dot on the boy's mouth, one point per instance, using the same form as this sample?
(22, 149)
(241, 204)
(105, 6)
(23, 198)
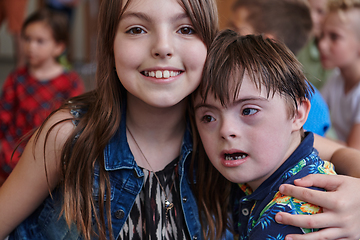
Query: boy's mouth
(161, 73)
(235, 156)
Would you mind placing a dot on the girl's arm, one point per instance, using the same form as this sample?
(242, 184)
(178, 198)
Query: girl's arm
(27, 186)
(341, 206)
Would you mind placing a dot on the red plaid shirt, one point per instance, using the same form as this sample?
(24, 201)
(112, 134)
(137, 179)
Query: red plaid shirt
(25, 103)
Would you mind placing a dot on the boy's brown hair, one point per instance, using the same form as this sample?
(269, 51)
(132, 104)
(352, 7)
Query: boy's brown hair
(270, 65)
(288, 20)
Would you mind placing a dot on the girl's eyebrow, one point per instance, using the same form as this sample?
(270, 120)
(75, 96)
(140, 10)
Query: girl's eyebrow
(145, 17)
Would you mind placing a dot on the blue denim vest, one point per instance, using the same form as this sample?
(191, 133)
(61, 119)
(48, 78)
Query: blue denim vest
(126, 180)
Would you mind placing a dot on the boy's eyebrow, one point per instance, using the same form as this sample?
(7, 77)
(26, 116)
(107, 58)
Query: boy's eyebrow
(238, 101)
(205, 105)
(145, 17)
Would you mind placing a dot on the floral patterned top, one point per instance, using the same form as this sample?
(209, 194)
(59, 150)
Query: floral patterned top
(254, 212)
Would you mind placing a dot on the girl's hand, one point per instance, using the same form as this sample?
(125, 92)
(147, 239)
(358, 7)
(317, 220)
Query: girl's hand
(341, 207)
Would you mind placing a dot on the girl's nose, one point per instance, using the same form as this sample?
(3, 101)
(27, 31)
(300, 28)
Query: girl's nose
(163, 47)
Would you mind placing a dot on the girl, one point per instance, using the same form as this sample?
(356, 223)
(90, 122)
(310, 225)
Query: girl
(32, 92)
(124, 171)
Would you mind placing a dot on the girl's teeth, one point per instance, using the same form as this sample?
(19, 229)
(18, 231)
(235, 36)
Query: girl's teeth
(161, 74)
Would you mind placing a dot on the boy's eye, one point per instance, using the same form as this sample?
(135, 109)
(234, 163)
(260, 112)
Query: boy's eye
(207, 118)
(135, 30)
(249, 111)
(186, 30)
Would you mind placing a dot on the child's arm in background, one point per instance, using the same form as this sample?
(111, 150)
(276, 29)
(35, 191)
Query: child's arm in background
(341, 205)
(353, 139)
(28, 185)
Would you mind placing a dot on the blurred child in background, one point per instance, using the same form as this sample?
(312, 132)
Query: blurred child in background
(309, 55)
(290, 22)
(340, 47)
(30, 93)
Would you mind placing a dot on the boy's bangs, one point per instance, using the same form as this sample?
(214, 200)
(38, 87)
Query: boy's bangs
(268, 64)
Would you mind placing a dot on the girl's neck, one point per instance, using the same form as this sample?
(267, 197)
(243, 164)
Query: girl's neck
(157, 131)
(46, 71)
(351, 76)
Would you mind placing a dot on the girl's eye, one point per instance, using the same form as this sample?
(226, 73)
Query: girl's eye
(186, 30)
(249, 111)
(207, 119)
(135, 30)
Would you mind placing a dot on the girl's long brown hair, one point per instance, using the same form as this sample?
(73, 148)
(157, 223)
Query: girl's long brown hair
(270, 65)
(102, 119)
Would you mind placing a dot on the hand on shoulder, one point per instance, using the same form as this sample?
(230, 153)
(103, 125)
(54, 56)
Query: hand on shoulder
(341, 207)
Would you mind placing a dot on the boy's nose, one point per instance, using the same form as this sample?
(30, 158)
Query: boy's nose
(228, 130)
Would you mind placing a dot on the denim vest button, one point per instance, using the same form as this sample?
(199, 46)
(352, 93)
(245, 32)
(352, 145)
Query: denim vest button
(184, 199)
(195, 237)
(119, 214)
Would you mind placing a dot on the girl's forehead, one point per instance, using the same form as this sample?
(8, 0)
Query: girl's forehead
(139, 4)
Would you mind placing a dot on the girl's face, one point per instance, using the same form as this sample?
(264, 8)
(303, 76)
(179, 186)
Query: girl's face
(339, 44)
(158, 56)
(40, 46)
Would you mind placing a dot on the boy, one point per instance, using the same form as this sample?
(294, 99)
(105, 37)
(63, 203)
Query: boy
(339, 47)
(290, 22)
(249, 111)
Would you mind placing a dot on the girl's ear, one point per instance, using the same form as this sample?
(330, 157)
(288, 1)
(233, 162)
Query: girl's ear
(59, 49)
(301, 114)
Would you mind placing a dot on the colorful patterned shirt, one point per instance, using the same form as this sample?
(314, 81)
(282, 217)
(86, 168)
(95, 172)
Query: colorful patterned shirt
(25, 103)
(254, 212)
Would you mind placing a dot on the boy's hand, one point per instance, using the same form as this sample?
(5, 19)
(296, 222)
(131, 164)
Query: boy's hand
(341, 207)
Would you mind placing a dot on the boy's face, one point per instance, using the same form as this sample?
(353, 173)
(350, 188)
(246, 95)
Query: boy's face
(339, 43)
(249, 138)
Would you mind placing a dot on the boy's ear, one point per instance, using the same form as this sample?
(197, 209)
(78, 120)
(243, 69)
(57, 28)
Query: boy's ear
(301, 114)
